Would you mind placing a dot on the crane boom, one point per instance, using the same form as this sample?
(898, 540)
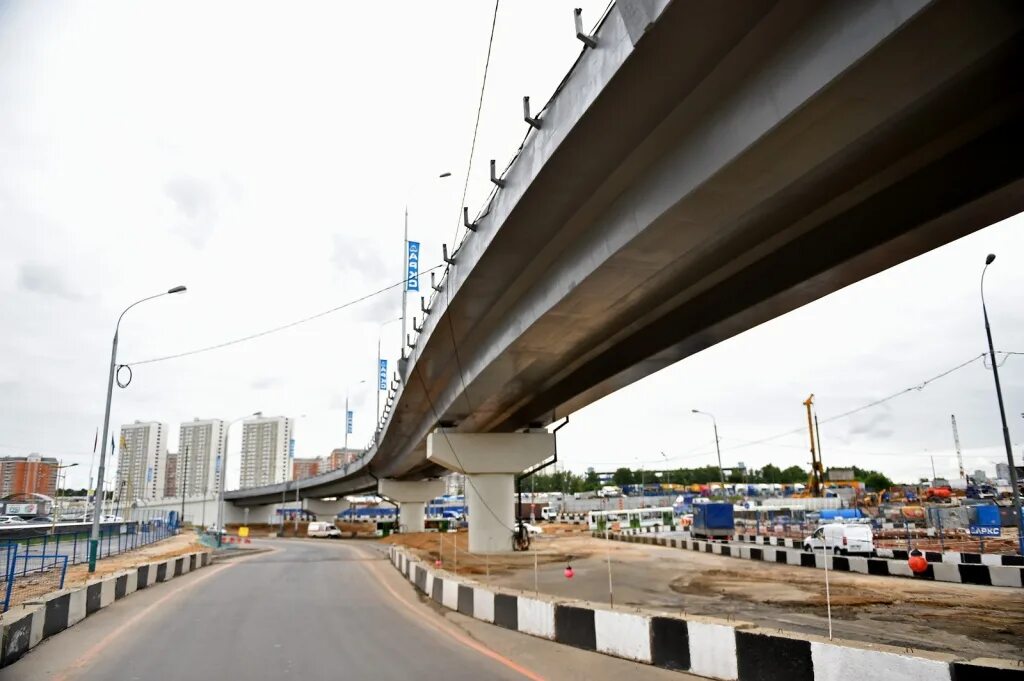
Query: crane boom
(814, 482)
(959, 454)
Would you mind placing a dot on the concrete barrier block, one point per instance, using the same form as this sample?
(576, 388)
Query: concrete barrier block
(178, 564)
(465, 600)
(76, 606)
(793, 557)
(428, 583)
(1006, 576)
(852, 663)
(437, 589)
(16, 626)
(858, 564)
(946, 572)
(536, 617)
(623, 634)
(670, 643)
(900, 568)
(92, 597)
(38, 621)
(55, 611)
(987, 669)
(506, 611)
(712, 650)
(575, 626)
(107, 587)
(450, 594)
(483, 604)
(766, 656)
(768, 554)
(121, 586)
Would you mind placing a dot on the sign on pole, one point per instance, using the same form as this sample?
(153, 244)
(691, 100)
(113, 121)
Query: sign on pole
(348, 423)
(382, 375)
(412, 281)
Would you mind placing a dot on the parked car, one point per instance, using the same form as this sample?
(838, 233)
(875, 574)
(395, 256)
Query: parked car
(11, 520)
(41, 519)
(323, 530)
(841, 538)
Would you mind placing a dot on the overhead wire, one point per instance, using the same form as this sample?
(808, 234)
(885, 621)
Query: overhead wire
(275, 329)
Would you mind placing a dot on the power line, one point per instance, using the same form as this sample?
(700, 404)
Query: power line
(276, 329)
(476, 124)
(918, 387)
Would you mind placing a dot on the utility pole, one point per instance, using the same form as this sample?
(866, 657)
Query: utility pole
(405, 284)
(959, 454)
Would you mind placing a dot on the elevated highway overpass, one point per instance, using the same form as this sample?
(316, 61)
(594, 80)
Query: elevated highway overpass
(705, 168)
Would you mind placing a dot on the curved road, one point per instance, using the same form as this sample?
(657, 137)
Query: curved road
(305, 610)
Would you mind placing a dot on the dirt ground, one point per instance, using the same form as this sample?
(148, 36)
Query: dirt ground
(969, 620)
(31, 586)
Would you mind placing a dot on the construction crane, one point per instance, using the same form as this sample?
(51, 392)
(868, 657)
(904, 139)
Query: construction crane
(815, 482)
(959, 454)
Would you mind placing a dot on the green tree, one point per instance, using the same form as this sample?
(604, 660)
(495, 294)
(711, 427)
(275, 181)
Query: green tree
(794, 474)
(623, 476)
(591, 482)
(876, 481)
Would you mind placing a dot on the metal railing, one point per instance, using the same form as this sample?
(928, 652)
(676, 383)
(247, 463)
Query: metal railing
(35, 555)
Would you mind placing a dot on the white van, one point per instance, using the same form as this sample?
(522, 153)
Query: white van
(841, 538)
(323, 530)
(549, 513)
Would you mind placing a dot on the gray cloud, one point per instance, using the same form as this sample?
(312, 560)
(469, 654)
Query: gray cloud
(46, 280)
(196, 201)
(265, 383)
(873, 425)
(356, 254)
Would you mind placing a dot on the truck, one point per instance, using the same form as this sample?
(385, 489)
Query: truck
(712, 521)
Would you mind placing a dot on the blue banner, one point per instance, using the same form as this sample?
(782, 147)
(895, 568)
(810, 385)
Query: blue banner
(382, 375)
(348, 423)
(291, 448)
(412, 281)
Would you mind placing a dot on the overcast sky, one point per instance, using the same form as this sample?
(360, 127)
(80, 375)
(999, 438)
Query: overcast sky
(263, 158)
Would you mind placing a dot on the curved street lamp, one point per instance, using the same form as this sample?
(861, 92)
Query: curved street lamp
(1002, 414)
(94, 537)
(721, 473)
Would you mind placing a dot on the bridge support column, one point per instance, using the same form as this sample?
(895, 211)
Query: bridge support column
(490, 462)
(412, 496)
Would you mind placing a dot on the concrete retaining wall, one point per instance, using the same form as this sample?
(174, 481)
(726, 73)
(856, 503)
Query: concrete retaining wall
(960, 573)
(704, 646)
(26, 625)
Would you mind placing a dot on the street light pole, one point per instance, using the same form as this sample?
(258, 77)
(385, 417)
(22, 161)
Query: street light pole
(714, 423)
(222, 476)
(184, 489)
(376, 421)
(94, 537)
(1014, 484)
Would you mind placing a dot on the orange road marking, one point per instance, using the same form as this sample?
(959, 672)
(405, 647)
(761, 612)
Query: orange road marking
(453, 633)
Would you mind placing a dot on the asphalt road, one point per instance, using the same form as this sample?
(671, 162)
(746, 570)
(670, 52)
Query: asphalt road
(306, 610)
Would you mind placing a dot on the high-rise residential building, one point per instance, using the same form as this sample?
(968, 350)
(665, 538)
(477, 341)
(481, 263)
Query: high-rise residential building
(980, 476)
(267, 450)
(202, 443)
(142, 460)
(171, 475)
(305, 468)
(32, 474)
(1003, 471)
(338, 458)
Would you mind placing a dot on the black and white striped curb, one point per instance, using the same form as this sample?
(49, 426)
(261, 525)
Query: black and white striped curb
(959, 573)
(697, 645)
(902, 554)
(26, 625)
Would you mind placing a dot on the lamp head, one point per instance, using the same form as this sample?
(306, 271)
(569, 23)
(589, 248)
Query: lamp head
(177, 289)
(990, 258)
(444, 174)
